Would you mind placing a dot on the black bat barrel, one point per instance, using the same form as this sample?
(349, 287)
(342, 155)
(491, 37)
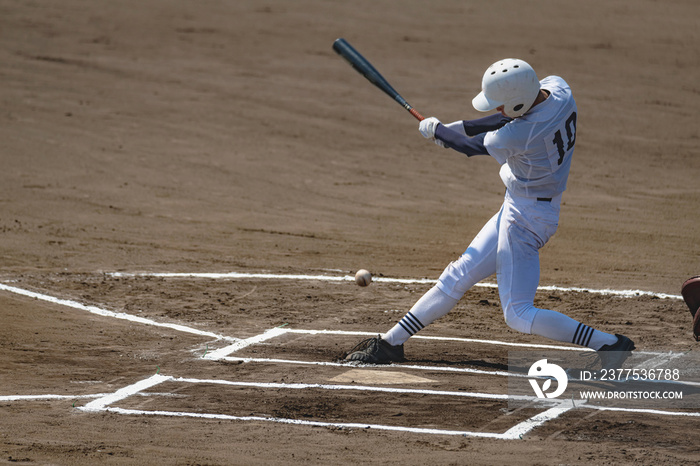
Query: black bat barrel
(365, 68)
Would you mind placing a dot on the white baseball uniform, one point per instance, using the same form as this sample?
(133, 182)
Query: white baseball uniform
(535, 153)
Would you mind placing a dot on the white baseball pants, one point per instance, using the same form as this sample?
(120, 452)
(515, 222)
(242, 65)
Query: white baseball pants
(508, 245)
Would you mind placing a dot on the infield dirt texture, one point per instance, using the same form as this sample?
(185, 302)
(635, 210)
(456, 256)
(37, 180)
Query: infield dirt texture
(227, 136)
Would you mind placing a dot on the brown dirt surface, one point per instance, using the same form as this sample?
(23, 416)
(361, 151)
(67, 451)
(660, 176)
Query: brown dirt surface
(227, 136)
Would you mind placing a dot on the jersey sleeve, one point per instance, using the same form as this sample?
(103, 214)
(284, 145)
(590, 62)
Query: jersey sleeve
(501, 145)
(457, 126)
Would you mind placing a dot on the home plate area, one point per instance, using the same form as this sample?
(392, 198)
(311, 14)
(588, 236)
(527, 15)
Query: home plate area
(379, 377)
(269, 378)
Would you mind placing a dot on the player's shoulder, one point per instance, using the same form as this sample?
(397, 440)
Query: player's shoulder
(511, 134)
(555, 84)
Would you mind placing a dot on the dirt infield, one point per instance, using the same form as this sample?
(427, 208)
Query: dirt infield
(227, 136)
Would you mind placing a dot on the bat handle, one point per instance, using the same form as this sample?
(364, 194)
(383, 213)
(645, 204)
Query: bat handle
(417, 115)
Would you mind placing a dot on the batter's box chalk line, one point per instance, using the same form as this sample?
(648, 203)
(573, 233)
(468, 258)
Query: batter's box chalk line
(349, 278)
(103, 405)
(116, 315)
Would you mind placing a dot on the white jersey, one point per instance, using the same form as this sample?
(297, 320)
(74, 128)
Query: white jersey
(535, 150)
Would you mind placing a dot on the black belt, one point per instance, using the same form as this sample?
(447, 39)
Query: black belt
(544, 199)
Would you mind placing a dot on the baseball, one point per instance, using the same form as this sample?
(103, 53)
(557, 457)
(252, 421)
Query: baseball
(363, 277)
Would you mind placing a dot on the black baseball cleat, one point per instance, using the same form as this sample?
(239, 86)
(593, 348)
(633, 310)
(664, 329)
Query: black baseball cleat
(375, 351)
(613, 356)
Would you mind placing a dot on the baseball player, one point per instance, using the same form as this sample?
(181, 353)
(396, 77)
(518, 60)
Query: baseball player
(532, 137)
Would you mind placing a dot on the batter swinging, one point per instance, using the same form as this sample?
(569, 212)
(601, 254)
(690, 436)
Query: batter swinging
(533, 138)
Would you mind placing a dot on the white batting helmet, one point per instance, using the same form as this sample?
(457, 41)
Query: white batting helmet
(509, 82)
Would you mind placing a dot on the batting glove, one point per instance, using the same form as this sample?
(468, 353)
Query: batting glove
(427, 127)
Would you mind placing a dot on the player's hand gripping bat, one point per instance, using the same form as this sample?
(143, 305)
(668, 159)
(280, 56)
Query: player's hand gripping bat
(365, 68)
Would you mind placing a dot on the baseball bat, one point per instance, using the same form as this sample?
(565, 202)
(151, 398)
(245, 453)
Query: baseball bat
(365, 68)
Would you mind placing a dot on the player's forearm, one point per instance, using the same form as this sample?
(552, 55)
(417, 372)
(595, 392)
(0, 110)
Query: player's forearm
(461, 143)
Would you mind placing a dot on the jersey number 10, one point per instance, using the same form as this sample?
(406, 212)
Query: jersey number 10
(570, 137)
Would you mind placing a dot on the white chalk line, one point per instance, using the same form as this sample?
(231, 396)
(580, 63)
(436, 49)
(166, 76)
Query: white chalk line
(464, 370)
(122, 393)
(239, 345)
(646, 411)
(427, 337)
(362, 388)
(278, 331)
(222, 353)
(407, 281)
(511, 434)
(102, 405)
(7, 398)
(266, 276)
(106, 313)
(49, 397)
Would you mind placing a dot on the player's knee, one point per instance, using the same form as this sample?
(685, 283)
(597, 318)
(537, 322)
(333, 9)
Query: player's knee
(450, 289)
(519, 317)
(451, 282)
(458, 277)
